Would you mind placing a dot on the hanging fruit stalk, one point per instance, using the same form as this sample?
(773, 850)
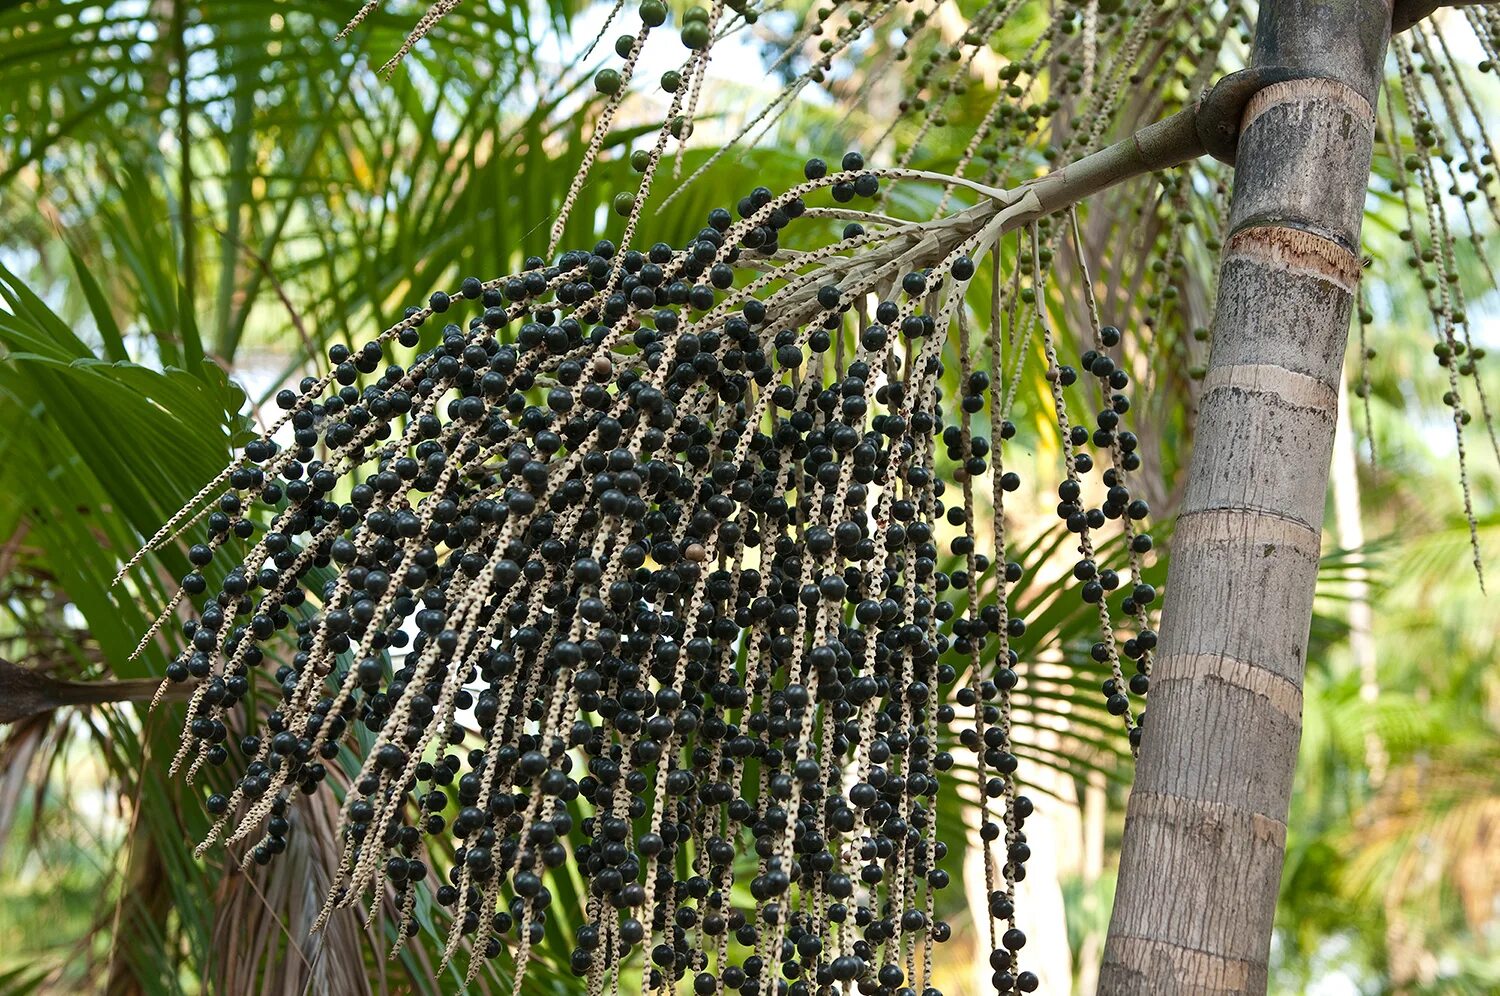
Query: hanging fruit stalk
(670, 535)
(648, 521)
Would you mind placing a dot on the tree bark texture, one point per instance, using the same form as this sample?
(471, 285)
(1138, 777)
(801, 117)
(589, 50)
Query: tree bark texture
(1205, 832)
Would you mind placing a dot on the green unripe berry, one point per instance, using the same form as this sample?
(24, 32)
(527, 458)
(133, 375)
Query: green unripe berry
(671, 81)
(653, 13)
(607, 81)
(695, 35)
(640, 160)
(624, 203)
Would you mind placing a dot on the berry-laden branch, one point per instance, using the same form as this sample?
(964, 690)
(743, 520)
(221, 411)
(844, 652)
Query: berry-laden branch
(663, 527)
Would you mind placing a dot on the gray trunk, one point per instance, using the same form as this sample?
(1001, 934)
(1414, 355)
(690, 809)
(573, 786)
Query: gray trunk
(1205, 831)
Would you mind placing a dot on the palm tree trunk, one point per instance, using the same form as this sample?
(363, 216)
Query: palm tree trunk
(1205, 831)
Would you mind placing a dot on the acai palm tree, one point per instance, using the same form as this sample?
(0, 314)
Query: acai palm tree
(882, 496)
